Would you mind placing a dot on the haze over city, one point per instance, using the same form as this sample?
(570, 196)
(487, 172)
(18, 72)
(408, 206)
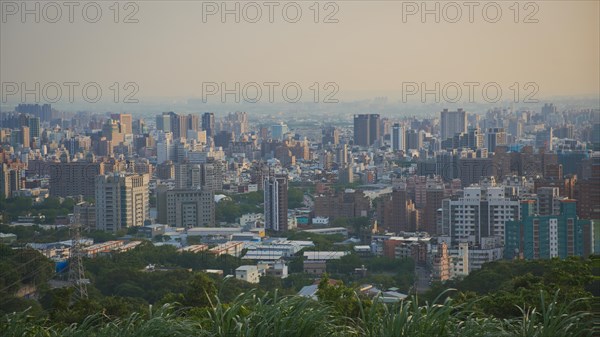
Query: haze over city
(372, 48)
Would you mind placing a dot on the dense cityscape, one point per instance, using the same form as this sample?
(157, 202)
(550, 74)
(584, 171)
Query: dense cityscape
(443, 196)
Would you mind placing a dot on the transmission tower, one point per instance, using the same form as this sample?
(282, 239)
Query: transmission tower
(76, 271)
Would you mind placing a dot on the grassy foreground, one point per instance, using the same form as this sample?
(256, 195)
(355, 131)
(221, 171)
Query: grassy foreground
(273, 315)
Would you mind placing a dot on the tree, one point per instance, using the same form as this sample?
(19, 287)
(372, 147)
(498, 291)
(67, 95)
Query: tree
(269, 282)
(340, 222)
(342, 298)
(227, 211)
(345, 265)
(360, 225)
(295, 198)
(201, 291)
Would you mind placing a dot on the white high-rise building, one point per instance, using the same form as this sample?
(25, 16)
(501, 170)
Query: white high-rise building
(398, 138)
(165, 150)
(479, 213)
(122, 201)
(279, 130)
(276, 202)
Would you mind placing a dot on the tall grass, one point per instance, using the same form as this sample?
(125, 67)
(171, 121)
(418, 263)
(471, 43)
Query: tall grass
(553, 320)
(408, 318)
(272, 315)
(159, 323)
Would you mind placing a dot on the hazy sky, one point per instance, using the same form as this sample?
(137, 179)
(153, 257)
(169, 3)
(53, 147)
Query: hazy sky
(370, 51)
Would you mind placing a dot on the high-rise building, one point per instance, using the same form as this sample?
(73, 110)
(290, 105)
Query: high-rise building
(361, 130)
(587, 190)
(44, 112)
(186, 207)
(396, 211)
(10, 180)
(479, 213)
(341, 155)
(34, 127)
(125, 122)
(25, 136)
(74, 178)
(548, 200)
(192, 123)
(223, 139)
(331, 136)
(401, 206)
(276, 202)
(548, 236)
(595, 137)
(208, 124)
(163, 122)
(375, 133)
(367, 129)
(346, 175)
(441, 263)
(345, 204)
(414, 140)
(549, 109)
(122, 201)
(515, 127)
(452, 122)
(278, 131)
(208, 175)
(434, 194)
(139, 127)
(177, 124)
(236, 123)
(495, 137)
(112, 131)
(398, 138)
(474, 138)
(165, 149)
(543, 139)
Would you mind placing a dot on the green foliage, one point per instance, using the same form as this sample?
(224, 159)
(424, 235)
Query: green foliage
(100, 236)
(229, 210)
(270, 282)
(345, 265)
(513, 284)
(341, 187)
(295, 198)
(505, 298)
(22, 267)
(10, 304)
(295, 282)
(321, 242)
(338, 312)
(27, 234)
(52, 207)
(272, 315)
(340, 222)
(342, 298)
(13, 207)
(201, 291)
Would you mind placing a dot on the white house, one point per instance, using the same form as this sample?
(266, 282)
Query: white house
(247, 273)
(320, 220)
